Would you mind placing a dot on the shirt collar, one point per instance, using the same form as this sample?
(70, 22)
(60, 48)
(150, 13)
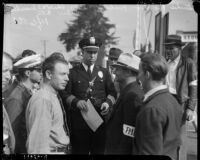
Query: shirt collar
(50, 89)
(86, 66)
(152, 91)
(176, 60)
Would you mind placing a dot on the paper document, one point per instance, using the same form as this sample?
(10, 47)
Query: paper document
(91, 117)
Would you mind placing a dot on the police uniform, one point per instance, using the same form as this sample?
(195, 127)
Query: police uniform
(99, 88)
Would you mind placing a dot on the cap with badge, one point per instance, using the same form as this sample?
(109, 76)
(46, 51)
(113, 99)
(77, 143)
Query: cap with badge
(90, 43)
(32, 61)
(129, 61)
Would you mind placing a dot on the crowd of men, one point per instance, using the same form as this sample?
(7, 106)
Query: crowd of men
(143, 100)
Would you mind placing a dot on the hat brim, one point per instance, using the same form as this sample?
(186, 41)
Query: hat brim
(91, 48)
(112, 57)
(174, 43)
(125, 66)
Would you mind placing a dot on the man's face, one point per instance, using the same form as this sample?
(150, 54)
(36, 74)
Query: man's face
(6, 72)
(89, 56)
(120, 74)
(112, 61)
(172, 52)
(36, 75)
(60, 76)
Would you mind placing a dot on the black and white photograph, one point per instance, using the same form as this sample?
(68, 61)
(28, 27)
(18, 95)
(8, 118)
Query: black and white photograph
(100, 79)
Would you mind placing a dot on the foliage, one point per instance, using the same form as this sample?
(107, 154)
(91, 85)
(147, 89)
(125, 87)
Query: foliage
(89, 21)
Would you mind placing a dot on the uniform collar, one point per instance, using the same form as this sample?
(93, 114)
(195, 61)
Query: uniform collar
(86, 66)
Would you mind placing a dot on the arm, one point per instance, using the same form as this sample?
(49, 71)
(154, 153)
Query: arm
(14, 109)
(192, 79)
(39, 123)
(130, 107)
(149, 133)
(111, 95)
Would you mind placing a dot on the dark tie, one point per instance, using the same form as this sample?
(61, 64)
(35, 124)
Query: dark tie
(64, 116)
(89, 71)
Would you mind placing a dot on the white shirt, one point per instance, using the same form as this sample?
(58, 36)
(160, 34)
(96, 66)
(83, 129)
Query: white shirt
(152, 91)
(86, 67)
(171, 76)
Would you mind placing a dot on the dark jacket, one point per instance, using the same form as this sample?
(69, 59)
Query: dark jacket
(158, 126)
(15, 105)
(121, 126)
(78, 85)
(186, 73)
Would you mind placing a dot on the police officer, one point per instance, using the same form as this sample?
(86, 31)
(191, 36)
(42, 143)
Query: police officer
(88, 81)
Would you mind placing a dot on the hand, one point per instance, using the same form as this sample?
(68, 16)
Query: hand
(6, 150)
(189, 114)
(104, 108)
(82, 105)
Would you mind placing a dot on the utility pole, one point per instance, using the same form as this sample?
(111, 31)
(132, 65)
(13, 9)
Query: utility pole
(44, 45)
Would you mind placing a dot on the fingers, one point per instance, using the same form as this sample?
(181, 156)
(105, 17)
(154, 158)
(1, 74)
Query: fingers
(82, 105)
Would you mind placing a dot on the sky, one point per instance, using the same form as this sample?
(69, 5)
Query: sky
(29, 25)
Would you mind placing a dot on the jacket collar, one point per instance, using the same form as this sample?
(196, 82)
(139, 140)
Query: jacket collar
(155, 94)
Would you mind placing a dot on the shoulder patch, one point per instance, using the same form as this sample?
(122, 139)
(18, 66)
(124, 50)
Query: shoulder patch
(128, 130)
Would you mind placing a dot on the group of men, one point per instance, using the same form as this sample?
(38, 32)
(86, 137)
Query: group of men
(143, 102)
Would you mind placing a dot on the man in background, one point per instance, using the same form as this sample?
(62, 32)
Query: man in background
(29, 73)
(182, 84)
(8, 135)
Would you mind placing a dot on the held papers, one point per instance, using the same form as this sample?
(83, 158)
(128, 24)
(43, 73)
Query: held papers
(91, 117)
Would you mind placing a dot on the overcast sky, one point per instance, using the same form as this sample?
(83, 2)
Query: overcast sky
(31, 24)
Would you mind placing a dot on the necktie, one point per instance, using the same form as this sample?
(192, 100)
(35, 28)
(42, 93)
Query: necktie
(89, 71)
(64, 116)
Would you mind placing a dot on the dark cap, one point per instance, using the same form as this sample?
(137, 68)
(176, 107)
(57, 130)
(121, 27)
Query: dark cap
(114, 53)
(173, 40)
(90, 43)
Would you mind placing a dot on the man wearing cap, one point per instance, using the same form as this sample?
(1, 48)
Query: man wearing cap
(88, 81)
(29, 71)
(8, 135)
(120, 129)
(113, 56)
(75, 60)
(158, 124)
(182, 83)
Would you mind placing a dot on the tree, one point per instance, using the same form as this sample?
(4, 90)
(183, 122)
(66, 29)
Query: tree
(89, 20)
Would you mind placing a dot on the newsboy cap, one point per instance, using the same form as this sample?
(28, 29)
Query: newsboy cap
(29, 62)
(90, 43)
(128, 60)
(173, 40)
(114, 53)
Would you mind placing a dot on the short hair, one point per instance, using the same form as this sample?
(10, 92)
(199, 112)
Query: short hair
(156, 65)
(28, 52)
(57, 54)
(50, 62)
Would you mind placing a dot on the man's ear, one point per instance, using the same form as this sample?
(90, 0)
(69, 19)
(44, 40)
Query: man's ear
(48, 74)
(148, 74)
(27, 73)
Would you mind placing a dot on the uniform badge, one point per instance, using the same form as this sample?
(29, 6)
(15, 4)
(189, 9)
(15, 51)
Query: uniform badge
(100, 74)
(92, 40)
(128, 130)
